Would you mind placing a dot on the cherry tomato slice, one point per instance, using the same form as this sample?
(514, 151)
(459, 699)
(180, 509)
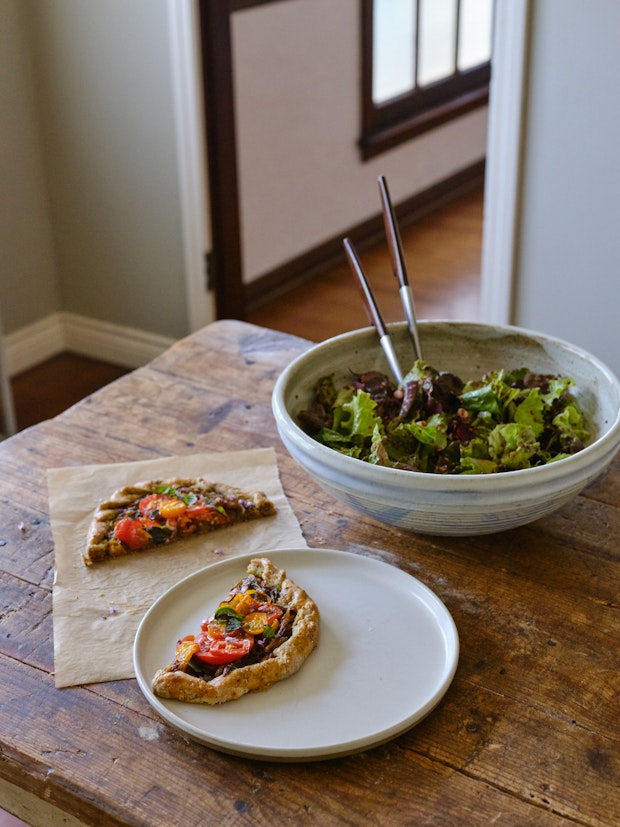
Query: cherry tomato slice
(242, 603)
(131, 531)
(185, 649)
(203, 512)
(151, 503)
(254, 623)
(223, 649)
(214, 628)
(273, 612)
(172, 508)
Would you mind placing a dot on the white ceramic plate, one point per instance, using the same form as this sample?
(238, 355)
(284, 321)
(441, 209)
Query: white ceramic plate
(387, 653)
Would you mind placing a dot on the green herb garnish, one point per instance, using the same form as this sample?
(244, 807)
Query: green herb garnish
(230, 616)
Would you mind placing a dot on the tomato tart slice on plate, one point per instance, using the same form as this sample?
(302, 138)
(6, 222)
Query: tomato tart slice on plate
(260, 634)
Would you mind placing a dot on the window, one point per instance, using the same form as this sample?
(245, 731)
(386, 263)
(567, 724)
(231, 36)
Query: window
(423, 63)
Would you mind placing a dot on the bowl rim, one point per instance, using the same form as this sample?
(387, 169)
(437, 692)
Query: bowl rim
(603, 448)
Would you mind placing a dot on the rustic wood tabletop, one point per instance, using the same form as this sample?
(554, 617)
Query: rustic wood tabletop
(527, 733)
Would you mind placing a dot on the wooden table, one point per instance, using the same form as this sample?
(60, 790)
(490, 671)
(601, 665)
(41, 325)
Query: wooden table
(527, 734)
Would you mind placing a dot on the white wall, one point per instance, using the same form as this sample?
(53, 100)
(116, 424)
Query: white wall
(28, 277)
(567, 276)
(106, 107)
(95, 241)
(298, 77)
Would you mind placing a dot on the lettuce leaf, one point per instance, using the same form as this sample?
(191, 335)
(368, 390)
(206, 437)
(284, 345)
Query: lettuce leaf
(359, 417)
(433, 422)
(512, 445)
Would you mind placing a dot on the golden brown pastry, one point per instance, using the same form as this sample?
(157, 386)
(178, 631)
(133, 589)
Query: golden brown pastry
(160, 512)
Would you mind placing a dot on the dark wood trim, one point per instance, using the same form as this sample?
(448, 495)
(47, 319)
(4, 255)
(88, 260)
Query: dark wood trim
(225, 260)
(366, 58)
(381, 138)
(238, 5)
(218, 89)
(330, 253)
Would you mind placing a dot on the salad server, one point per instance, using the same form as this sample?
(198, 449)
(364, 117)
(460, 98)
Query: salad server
(398, 263)
(373, 311)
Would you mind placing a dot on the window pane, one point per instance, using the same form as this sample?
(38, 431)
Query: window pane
(393, 47)
(476, 33)
(437, 38)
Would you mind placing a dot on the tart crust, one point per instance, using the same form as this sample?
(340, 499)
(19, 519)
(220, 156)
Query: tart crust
(101, 544)
(256, 677)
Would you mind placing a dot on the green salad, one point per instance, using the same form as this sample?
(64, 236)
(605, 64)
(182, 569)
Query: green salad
(435, 422)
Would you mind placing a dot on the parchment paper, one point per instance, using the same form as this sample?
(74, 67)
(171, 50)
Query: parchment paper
(97, 609)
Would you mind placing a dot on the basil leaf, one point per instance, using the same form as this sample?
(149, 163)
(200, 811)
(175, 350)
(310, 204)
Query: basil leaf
(233, 620)
(167, 489)
(159, 534)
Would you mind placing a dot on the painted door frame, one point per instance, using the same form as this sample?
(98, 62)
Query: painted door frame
(502, 192)
(202, 68)
(199, 193)
(191, 137)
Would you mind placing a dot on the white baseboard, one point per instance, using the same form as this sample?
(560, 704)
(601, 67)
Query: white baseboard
(126, 346)
(32, 344)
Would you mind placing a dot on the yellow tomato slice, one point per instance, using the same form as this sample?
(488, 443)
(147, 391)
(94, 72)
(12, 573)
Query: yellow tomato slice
(255, 623)
(185, 649)
(215, 628)
(170, 509)
(242, 603)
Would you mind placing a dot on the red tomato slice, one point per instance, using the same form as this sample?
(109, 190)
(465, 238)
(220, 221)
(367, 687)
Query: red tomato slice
(202, 511)
(222, 650)
(132, 532)
(273, 612)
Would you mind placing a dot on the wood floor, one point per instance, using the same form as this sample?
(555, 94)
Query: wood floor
(53, 386)
(442, 252)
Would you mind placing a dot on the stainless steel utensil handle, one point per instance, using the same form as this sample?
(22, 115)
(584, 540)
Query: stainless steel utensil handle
(398, 263)
(372, 310)
(406, 297)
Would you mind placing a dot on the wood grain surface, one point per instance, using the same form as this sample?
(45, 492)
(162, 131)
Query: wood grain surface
(527, 734)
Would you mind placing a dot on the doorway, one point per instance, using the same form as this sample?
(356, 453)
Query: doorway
(225, 259)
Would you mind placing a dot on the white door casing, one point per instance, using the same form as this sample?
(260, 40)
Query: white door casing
(504, 161)
(191, 155)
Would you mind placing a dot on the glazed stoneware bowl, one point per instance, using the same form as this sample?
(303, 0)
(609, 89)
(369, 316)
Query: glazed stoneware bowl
(457, 505)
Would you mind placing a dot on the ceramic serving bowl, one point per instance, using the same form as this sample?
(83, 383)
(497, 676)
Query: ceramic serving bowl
(457, 505)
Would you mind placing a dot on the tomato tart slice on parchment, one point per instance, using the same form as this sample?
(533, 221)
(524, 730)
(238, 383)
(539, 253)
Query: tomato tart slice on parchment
(160, 512)
(260, 634)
